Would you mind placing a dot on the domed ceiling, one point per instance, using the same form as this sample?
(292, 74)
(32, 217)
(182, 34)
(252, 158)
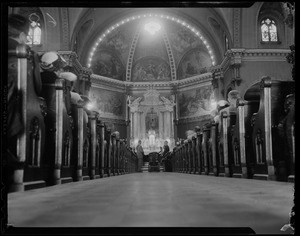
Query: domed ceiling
(150, 47)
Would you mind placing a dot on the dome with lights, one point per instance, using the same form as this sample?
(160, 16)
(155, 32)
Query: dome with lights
(150, 47)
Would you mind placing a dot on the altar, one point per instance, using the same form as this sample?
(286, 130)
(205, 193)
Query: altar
(152, 121)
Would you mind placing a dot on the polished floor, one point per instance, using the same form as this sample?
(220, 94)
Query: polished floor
(156, 200)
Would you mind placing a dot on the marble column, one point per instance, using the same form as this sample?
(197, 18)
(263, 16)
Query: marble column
(138, 125)
(143, 125)
(166, 124)
(161, 124)
(135, 125)
(131, 125)
(172, 125)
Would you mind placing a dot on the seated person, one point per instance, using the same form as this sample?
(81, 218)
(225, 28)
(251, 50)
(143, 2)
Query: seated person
(166, 149)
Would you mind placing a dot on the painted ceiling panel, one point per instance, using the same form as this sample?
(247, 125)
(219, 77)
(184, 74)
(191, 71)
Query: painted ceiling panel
(108, 64)
(151, 69)
(181, 40)
(151, 46)
(194, 62)
(150, 61)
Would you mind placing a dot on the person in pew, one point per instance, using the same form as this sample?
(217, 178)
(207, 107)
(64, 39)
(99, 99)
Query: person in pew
(166, 149)
(53, 67)
(52, 64)
(140, 155)
(18, 28)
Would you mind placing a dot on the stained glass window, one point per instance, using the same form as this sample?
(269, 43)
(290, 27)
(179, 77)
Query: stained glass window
(35, 32)
(268, 31)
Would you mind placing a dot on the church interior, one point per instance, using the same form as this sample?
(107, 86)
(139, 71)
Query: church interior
(213, 82)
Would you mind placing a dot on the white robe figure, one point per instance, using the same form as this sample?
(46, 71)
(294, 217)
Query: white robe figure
(151, 134)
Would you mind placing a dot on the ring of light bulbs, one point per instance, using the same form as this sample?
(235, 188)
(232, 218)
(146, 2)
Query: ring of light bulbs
(174, 19)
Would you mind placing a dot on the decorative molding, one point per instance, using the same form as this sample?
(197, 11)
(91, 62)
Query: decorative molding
(99, 81)
(236, 27)
(65, 28)
(112, 120)
(184, 120)
(170, 56)
(131, 54)
(72, 60)
(265, 54)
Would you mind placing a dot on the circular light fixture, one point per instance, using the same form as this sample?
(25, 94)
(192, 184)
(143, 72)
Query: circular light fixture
(152, 27)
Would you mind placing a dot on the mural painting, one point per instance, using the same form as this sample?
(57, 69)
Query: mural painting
(107, 103)
(196, 102)
(181, 40)
(109, 65)
(195, 62)
(150, 46)
(151, 68)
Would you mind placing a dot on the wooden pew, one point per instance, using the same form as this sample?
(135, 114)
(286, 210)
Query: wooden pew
(59, 129)
(287, 130)
(199, 151)
(186, 160)
(269, 154)
(93, 157)
(26, 157)
(205, 151)
(241, 138)
(108, 152)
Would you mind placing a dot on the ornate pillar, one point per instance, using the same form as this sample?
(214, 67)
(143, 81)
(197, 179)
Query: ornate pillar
(143, 125)
(138, 127)
(172, 125)
(131, 125)
(135, 125)
(166, 124)
(161, 124)
(236, 61)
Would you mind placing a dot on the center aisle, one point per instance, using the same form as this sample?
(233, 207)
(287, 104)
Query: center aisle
(156, 199)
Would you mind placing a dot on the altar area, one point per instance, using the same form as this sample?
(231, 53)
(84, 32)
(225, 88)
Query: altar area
(152, 118)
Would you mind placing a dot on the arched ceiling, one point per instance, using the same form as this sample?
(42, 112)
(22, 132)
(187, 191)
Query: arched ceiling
(117, 45)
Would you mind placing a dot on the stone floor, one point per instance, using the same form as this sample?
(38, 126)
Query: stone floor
(156, 200)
